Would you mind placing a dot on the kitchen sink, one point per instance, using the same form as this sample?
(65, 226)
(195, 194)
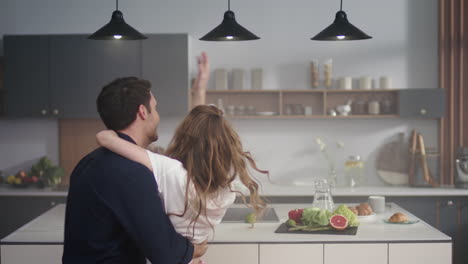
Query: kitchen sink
(237, 215)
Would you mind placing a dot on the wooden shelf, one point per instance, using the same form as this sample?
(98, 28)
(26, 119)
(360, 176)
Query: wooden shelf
(285, 102)
(311, 117)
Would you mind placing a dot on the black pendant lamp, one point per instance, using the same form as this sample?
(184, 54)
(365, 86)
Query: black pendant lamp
(117, 29)
(229, 29)
(341, 29)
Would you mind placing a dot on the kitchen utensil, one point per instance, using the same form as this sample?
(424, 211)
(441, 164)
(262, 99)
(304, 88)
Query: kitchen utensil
(427, 174)
(412, 151)
(345, 109)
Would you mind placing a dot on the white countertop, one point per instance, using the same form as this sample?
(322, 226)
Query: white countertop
(283, 190)
(269, 189)
(48, 229)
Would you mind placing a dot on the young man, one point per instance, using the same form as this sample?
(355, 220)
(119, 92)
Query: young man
(114, 213)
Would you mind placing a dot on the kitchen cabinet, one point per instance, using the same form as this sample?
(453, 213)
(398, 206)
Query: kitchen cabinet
(232, 254)
(407, 103)
(291, 253)
(416, 253)
(355, 253)
(165, 63)
(422, 103)
(26, 80)
(19, 210)
(60, 76)
(80, 67)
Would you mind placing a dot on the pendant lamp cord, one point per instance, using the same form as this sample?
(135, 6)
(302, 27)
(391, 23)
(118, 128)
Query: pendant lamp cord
(341, 5)
(229, 5)
(116, 4)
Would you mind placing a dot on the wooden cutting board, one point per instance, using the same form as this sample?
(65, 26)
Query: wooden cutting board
(392, 161)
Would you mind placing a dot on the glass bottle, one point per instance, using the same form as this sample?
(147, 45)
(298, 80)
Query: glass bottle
(220, 105)
(323, 198)
(354, 171)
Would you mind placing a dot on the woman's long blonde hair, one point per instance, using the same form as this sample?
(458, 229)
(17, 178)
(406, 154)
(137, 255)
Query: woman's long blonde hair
(212, 153)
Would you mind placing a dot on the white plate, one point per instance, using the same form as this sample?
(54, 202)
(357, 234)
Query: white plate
(366, 216)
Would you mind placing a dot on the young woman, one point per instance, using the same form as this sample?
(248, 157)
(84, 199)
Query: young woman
(204, 158)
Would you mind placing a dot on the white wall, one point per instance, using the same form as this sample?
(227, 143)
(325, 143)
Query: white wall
(404, 47)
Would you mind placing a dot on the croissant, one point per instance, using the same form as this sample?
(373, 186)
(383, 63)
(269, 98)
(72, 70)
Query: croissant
(364, 209)
(398, 218)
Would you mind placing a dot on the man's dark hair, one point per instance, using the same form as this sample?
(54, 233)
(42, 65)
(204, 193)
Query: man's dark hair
(118, 101)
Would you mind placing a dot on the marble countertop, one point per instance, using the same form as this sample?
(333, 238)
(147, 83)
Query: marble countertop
(48, 229)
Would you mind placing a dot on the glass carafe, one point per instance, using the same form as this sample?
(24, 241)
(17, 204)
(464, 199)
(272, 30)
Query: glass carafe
(323, 198)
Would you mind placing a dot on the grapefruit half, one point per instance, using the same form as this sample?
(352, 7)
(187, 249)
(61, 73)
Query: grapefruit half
(338, 222)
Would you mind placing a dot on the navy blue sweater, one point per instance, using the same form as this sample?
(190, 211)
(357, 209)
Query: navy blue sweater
(115, 215)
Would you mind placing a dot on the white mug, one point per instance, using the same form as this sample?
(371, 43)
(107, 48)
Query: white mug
(377, 203)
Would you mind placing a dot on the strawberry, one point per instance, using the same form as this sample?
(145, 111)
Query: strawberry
(295, 215)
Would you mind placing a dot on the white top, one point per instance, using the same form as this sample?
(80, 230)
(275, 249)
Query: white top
(171, 178)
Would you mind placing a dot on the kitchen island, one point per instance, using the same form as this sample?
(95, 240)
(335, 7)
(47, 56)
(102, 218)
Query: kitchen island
(41, 241)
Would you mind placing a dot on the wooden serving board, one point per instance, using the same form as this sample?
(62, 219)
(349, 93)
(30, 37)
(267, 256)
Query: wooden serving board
(283, 229)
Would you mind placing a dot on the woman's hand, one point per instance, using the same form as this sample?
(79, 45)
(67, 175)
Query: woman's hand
(103, 137)
(200, 83)
(203, 67)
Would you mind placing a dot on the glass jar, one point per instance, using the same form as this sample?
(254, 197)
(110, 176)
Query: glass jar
(359, 107)
(354, 171)
(323, 198)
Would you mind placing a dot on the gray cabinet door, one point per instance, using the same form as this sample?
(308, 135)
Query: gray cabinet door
(422, 103)
(80, 67)
(26, 76)
(165, 63)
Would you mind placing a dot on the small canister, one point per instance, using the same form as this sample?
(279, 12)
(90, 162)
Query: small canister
(374, 107)
(386, 107)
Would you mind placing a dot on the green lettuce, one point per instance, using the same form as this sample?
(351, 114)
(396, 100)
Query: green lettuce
(350, 216)
(314, 217)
